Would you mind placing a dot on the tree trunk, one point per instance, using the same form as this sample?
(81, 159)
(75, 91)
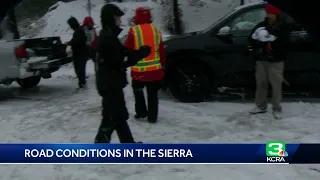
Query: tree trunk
(176, 18)
(13, 27)
(89, 7)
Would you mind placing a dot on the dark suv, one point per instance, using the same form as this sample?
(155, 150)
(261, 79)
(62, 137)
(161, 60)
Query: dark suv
(200, 62)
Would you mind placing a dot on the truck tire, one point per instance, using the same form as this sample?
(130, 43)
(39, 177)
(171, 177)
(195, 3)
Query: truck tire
(29, 82)
(190, 83)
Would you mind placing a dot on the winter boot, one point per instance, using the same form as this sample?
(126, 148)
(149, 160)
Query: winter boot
(152, 121)
(139, 117)
(103, 136)
(277, 113)
(258, 110)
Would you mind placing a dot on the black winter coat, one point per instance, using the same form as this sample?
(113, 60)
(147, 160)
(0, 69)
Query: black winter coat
(79, 38)
(279, 49)
(110, 71)
(110, 63)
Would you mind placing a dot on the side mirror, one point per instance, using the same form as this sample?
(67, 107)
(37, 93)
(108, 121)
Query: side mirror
(224, 31)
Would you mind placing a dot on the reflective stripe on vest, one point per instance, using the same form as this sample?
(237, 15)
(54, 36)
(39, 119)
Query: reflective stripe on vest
(147, 34)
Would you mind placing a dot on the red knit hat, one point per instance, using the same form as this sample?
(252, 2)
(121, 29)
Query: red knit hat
(88, 21)
(272, 10)
(143, 16)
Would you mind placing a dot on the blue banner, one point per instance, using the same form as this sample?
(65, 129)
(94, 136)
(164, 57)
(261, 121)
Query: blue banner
(271, 152)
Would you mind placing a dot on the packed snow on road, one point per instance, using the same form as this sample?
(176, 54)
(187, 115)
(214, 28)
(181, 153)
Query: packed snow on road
(53, 113)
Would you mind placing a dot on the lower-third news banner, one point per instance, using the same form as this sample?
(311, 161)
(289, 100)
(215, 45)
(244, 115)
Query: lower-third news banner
(271, 152)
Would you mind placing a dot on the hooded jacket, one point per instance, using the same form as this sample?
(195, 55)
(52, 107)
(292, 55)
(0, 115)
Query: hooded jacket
(144, 17)
(92, 38)
(78, 41)
(110, 65)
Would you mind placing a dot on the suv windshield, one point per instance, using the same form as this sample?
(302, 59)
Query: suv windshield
(219, 20)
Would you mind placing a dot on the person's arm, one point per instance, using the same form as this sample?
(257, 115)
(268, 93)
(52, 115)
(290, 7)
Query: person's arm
(162, 54)
(133, 55)
(128, 49)
(283, 37)
(79, 37)
(129, 43)
(252, 42)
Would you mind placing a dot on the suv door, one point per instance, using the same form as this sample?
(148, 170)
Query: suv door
(302, 62)
(240, 63)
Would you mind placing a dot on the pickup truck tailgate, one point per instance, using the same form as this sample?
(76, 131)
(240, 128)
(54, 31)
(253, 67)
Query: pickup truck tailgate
(40, 63)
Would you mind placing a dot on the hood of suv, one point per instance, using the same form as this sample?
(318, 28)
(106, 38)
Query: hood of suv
(182, 36)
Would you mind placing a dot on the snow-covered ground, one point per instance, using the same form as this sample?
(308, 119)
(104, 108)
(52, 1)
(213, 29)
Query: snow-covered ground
(53, 113)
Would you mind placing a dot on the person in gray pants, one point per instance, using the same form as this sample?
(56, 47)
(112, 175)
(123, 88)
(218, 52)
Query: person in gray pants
(268, 41)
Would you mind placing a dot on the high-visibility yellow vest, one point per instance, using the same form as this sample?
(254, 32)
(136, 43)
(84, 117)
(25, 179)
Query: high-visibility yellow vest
(147, 34)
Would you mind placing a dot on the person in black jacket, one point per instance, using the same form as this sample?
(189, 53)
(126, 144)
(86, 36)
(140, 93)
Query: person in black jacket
(111, 76)
(270, 56)
(79, 50)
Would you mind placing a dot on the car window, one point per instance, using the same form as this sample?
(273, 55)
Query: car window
(247, 21)
(295, 27)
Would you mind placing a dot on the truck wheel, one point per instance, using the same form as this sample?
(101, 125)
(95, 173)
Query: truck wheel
(190, 83)
(29, 82)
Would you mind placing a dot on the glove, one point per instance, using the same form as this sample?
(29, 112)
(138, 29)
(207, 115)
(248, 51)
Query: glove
(136, 55)
(144, 51)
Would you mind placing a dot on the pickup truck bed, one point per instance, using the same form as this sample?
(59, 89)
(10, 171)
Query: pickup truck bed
(43, 57)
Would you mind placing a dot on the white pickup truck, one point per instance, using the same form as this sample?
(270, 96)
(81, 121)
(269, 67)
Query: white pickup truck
(26, 61)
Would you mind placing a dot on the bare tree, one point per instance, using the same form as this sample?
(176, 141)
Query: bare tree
(89, 7)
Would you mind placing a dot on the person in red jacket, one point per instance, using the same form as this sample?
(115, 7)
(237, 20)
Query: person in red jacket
(92, 38)
(147, 72)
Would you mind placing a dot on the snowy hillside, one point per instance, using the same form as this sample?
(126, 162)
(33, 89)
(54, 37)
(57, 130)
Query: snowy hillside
(57, 19)
(53, 113)
(197, 14)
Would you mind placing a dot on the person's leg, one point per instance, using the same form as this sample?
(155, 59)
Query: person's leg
(140, 103)
(82, 72)
(93, 55)
(262, 85)
(120, 116)
(153, 101)
(107, 125)
(76, 69)
(276, 80)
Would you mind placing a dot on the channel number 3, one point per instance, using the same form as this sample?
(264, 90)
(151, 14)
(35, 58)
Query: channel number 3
(275, 148)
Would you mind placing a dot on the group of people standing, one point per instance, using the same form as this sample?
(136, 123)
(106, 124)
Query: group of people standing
(143, 52)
